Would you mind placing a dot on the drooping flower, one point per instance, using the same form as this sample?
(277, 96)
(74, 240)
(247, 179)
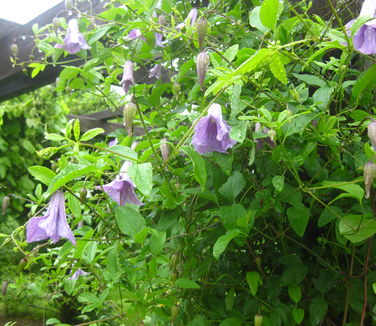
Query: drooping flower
(53, 224)
(202, 64)
(113, 142)
(159, 36)
(191, 19)
(202, 26)
(164, 149)
(155, 71)
(212, 132)
(127, 80)
(74, 41)
(369, 172)
(268, 140)
(365, 38)
(121, 189)
(79, 272)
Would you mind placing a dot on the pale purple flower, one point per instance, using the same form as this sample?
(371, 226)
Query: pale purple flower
(212, 132)
(202, 64)
(156, 71)
(191, 19)
(53, 224)
(127, 80)
(134, 34)
(113, 142)
(74, 41)
(121, 189)
(364, 39)
(77, 273)
(158, 40)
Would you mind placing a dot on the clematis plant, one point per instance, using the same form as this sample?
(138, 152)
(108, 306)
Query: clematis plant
(79, 272)
(365, 38)
(212, 132)
(121, 189)
(74, 41)
(53, 224)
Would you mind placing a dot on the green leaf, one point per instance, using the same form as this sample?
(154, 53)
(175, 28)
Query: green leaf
(295, 293)
(253, 280)
(129, 220)
(255, 21)
(157, 241)
(89, 252)
(357, 228)
(199, 166)
(352, 189)
(74, 205)
(322, 96)
(317, 310)
(91, 134)
(71, 172)
(278, 69)
(233, 186)
(55, 137)
(238, 131)
(231, 52)
(260, 58)
(328, 214)
(298, 219)
(298, 315)
(232, 321)
(269, 13)
(142, 176)
(223, 241)
(278, 182)
(311, 80)
(123, 152)
(365, 82)
(185, 283)
(42, 174)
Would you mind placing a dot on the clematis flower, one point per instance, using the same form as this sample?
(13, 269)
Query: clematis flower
(121, 189)
(369, 172)
(365, 38)
(134, 34)
(74, 41)
(371, 129)
(159, 36)
(212, 132)
(191, 19)
(202, 64)
(113, 142)
(127, 80)
(79, 272)
(53, 224)
(156, 71)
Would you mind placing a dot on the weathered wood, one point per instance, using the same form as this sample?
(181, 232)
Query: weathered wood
(7, 26)
(13, 81)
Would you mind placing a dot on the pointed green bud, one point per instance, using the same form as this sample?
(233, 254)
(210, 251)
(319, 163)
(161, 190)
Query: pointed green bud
(202, 64)
(202, 26)
(56, 23)
(129, 112)
(83, 194)
(258, 320)
(272, 134)
(369, 173)
(174, 312)
(14, 49)
(372, 133)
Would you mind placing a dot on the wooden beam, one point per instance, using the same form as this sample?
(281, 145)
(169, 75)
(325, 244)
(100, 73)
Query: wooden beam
(13, 81)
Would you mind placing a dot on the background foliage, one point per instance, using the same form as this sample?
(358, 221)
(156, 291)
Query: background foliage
(276, 232)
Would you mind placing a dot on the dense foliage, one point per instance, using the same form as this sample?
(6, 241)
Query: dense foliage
(274, 231)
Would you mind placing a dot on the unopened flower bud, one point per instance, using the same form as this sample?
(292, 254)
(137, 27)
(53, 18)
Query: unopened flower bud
(14, 49)
(202, 64)
(22, 264)
(129, 113)
(173, 276)
(176, 88)
(202, 26)
(369, 173)
(372, 133)
(56, 23)
(258, 320)
(173, 261)
(127, 80)
(162, 20)
(174, 312)
(272, 134)
(69, 4)
(5, 204)
(164, 149)
(83, 194)
(4, 287)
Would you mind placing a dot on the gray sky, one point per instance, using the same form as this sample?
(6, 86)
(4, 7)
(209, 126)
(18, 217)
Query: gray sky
(22, 11)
